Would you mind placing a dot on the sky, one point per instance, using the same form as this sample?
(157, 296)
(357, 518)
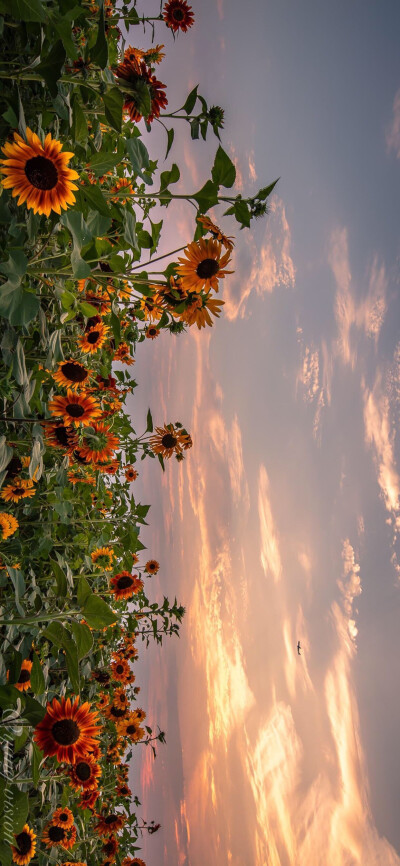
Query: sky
(283, 522)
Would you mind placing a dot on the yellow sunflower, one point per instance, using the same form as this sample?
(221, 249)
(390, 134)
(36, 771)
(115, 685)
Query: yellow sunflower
(75, 409)
(25, 846)
(17, 489)
(216, 232)
(103, 556)
(94, 338)
(203, 266)
(152, 332)
(198, 312)
(8, 525)
(71, 374)
(38, 173)
(169, 440)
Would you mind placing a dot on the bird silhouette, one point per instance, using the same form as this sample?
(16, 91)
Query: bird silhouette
(298, 648)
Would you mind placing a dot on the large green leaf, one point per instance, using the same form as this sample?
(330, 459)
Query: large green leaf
(207, 196)
(50, 68)
(139, 158)
(24, 10)
(130, 229)
(83, 638)
(17, 305)
(33, 712)
(113, 104)
(99, 52)
(191, 100)
(97, 613)
(37, 677)
(223, 171)
(101, 163)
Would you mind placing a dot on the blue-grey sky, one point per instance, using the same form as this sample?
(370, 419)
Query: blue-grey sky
(282, 523)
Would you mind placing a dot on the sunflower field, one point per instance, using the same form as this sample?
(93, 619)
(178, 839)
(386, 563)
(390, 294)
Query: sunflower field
(79, 292)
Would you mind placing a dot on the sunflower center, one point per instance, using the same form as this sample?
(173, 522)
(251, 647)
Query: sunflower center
(56, 834)
(63, 817)
(169, 441)
(93, 337)
(62, 436)
(131, 729)
(125, 581)
(207, 269)
(178, 15)
(75, 410)
(83, 771)
(120, 669)
(13, 467)
(65, 732)
(24, 843)
(117, 712)
(74, 372)
(18, 491)
(41, 172)
(111, 819)
(24, 676)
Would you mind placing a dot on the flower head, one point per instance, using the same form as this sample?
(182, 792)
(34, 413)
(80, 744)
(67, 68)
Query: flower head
(178, 15)
(144, 94)
(25, 846)
(203, 266)
(67, 730)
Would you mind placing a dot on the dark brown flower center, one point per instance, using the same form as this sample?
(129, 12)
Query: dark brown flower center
(207, 269)
(111, 819)
(14, 467)
(65, 732)
(24, 676)
(109, 847)
(131, 729)
(61, 434)
(56, 834)
(63, 817)
(178, 15)
(120, 669)
(24, 843)
(41, 172)
(75, 410)
(169, 441)
(117, 712)
(93, 337)
(18, 491)
(74, 372)
(125, 581)
(83, 771)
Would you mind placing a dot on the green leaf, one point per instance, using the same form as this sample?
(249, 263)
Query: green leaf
(102, 162)
(113, 104)
(83, 638)
(95, 199)
(194, 128)
(15, 266)
(99, 52)
(25, 10)
(71, 658)
(5, 852)
(19, 368)
(8, 696)
(266, 191)
(149, 424)
(242, 212)
(87, 309)
(17, 305)
(83, 591)
(170, 139)
(81, 234)
(97, 613)
(191, 100)
(223, 171)
(20, 807)
(37, 677)
(79, 131)
(37, 758)
(168, 177)
(155, 234)
(61, 580)
(14, 667)
(33, 712)
(207, 196)
(50, 68)
(139, 158)
(80, 268)
(5, 453)
(130, 229)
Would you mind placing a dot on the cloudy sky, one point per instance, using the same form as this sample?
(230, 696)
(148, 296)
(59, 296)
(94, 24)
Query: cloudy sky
(282, 524)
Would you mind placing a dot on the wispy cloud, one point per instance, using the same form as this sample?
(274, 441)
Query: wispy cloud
(252, 168)
(270, 553)
(309, 380)
(393, 131)
(350, 585)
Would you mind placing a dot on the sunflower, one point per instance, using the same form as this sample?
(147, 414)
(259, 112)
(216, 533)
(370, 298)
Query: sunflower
(103, 700)
(115, 713)
(124, 585)
(18, 489)
(152, 566)
(38, 173)
(123, 185)
(25, 847)
(8, 525)
(110, 848)
(104, 557)
(75, 409)
(94, 338)
(88, 800)
(151, 307)
(84, 774)
(123, 790)
(152, 332)
(120, 698)
(132, 861)
(168, 440)
(60, 436)
(216, 232)
(100, 447)
(63, 817)
(143, 88)
(67, 730)
(24, 680)
(74, 478)
(130, 473)
(130, 728)
(204, 265)
(109, 824)
(123, 354)
(99, 299)
(178, 15)
(198, 312)
(120, 669)
(55, 836)
(71, 374)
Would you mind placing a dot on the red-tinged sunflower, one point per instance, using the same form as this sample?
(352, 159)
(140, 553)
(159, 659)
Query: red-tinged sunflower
(123, 790)
(115, 713)
(198, 313)
(25, 846)
(109, 468)
(75, 409)
(8, 525)
(17, 490)
(61, 436)
(178, 15)
(63, 817)
(120, 698)
(84, 774)
(99, 299)
(67, 730)
(152, 566)
(74, 863)
(125, 585)
(133, 861)
(139, 84)
(109, 824)
(100, 447)
(54, 836)
(24, 679)
(93, 339)
(74, 478)
(88, 800)
(103, 700)
(167, 441)
(71, 374)
(122, 188)
(152, 332)
(39, 174)
(203, 266)
(123, 354)
(110, 848)
(103, 557)
(120, 669)
(130, 473)
(154, 55)
(218, 235)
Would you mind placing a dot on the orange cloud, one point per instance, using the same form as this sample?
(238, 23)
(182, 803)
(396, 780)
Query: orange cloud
(350, 585)
(379, 433)
(270, 554)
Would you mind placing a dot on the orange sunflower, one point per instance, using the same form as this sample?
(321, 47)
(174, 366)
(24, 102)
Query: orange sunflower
(100, 447)
(123, 185)
(71, 374)
(63, 817)
(109, 824)
(124, 585)
(216, 232)
(168, 440)
(18, 489)
(84, 774)
(67, 730)
(140, 80)
(8, 525)
(94, 338)
(204, 265)
(110, 848)
(130, 473)
(152, 566)
(120, 698)
(55, 836)
(25, 847)
(75, 409)
(120, 669)
(152, 332)
(88, 801)
(103, 556)
(24, 679)
(178, 15)
(198, 312)
(130, 727)
(123, 354)
(60, 436)
(39, 174)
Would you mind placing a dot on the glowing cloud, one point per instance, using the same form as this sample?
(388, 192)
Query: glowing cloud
(379, 433)
(350, 585)
(270, 554)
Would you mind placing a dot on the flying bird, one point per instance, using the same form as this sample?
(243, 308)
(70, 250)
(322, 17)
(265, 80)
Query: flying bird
(298, 648)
